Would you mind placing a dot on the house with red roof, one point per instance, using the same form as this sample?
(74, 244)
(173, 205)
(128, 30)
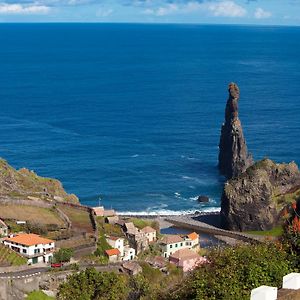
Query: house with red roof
(187, 259)
(113, 255)
(32, 246)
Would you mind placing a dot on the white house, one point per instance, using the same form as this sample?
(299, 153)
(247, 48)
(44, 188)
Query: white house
(3, 229)
(129, 253)
(150, 233)
(172, 243)
(32, 246)
(116, 243)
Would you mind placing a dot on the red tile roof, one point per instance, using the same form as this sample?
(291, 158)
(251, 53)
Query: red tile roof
(29, 239)
(193, 236)
(171, 239)
(148, 229)
(112, 252)
(184, 254)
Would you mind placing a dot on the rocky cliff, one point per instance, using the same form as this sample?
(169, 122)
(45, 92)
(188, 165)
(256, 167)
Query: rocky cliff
(26, 184)
(253, 200)
(234, 158)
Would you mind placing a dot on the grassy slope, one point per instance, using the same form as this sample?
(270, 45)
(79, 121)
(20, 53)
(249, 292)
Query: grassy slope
(275, 232)
(20, 183)
(80, 219)
(31, 214)
(38, 295)
(9, 257)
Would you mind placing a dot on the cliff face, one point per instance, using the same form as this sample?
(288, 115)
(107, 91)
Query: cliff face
(26, 184)
(253, 200)
(234, 158)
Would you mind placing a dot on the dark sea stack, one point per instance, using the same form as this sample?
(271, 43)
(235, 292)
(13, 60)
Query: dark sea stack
(234, 158)
(203, 199)
(255, 199)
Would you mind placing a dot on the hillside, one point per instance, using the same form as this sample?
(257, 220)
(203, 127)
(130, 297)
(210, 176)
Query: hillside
(254, 200)
(26, 184)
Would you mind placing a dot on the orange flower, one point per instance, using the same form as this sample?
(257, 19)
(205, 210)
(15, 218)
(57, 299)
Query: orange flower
(294, 205)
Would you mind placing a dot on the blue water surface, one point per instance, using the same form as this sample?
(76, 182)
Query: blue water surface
(132, 113)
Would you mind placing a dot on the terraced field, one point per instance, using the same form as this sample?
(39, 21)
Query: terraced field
(30, 214)
(80, 219)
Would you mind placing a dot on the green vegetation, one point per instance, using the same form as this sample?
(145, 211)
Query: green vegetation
(38, 295)
(234, 272)
(275, 232)
(63, 255)
(25, 183)
(91, 284)
(288, 198)
(141, 223)
(10, 258)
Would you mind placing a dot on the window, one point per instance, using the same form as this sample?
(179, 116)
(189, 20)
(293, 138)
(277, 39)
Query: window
(176, 245)
(24, 251)
(171, 246)
(181, 244)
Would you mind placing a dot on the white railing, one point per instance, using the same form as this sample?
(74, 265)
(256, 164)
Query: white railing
(290, 281)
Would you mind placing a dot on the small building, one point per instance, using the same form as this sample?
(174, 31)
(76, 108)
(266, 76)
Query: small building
(150, 233)
(157, 262)
(129, 253)
(3, 229)
(171, 243)
(131, 268)
(109, 213)
(186, 259)
(111, 220)
(113, 255)
(192, 240)
(99, 211)
(117, 243)
(32, 246)
(130, 228)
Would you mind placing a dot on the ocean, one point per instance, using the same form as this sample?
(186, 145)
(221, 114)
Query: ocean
(129, 115)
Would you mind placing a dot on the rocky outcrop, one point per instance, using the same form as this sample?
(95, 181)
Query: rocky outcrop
(254, 200)
(234, 158)
(25, 184)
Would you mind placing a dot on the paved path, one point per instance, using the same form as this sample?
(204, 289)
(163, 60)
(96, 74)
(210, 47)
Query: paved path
(194, 224)
(26, 273)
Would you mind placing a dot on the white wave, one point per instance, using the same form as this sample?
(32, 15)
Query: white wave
(167, 212)
(135, 155)
(177, 194)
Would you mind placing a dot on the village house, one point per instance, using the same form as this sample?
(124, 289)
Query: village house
(113, 255)
(192, 240)
(186, 259)
(172, 243)
(117, 243)
(131, 268)
(129, 253)
(150, 233)
(112, 220)
(130, 228)
(32, 246)
(100, 211)
(3, 229)
(157, 262)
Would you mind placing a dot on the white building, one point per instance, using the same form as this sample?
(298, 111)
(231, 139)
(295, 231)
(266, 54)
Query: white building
(172, 243)
(32, 246)
(116, 243)
(150, 233)
(129, 253)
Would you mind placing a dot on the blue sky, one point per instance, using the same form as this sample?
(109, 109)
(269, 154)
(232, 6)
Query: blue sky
(273, 12)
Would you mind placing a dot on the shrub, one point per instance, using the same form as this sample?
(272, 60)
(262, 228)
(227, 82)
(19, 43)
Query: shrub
(234, 272)
(63, 255)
